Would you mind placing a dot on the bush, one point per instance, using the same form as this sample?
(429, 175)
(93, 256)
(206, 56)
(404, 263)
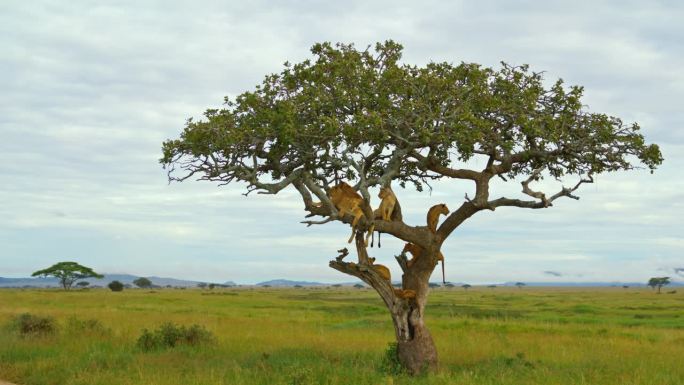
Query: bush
(116, 286)
(169, 336)
(91, 326)
(29, 324)
(390, 361)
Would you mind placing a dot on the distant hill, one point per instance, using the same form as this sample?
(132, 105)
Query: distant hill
(288, 283)
(123, 278)
(588, 284)
(162, 281)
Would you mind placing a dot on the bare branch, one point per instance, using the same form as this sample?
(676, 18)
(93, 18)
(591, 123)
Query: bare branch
(568, 191)
(402, 261)
(535, 194)
(542, 203)
(429, 163)
(309, 223)
(309, 183)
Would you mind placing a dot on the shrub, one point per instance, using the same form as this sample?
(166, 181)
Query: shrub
(79, 326)
(116, 286)
(169, 335)
(29, 324)
(390, 361)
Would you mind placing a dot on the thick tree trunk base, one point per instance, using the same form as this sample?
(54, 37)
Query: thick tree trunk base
(416, 350)
(418, 355)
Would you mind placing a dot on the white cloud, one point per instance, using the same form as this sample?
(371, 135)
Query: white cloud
(91, 90)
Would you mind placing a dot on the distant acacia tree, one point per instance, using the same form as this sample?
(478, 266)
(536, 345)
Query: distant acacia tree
(115, 286)
(142, 283)
(359, 286)
(83, 284)
(466, 286)
(364, 117)
(520, 284)
(658, 282)
(202, 285)
(67, 273)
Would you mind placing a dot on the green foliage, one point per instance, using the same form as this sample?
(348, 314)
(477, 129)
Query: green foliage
(658, 282)
(142, 283)
(390, 361)
(319, 116)
(169, 335)
(67, 273)
(115, 286)
(33, 325)
(88, 326)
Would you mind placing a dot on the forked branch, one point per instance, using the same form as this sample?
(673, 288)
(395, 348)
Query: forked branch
(543, 202)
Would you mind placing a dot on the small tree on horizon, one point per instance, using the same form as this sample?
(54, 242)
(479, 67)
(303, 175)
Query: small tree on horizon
(366, 118)
(520, 284)
(466, 286)
(83, 284)
(658, 282)
(115, 286)
(142, 283)
(67, 273)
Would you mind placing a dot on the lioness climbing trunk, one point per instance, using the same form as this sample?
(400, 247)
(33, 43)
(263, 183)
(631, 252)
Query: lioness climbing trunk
(416, 350)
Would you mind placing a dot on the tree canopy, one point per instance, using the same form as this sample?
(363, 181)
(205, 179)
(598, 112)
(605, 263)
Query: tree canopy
(658, 282)
(362, 115)
(142, 282)
(115, 286)
(67, 273)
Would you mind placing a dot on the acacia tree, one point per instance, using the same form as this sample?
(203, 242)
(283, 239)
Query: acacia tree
(363, 116)
(658, 282)
(142, 283)
(67, 273)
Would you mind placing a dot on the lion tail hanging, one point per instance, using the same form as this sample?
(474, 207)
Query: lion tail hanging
(443, 275)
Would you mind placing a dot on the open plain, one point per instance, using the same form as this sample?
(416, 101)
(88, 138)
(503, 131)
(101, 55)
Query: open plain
(341, 335)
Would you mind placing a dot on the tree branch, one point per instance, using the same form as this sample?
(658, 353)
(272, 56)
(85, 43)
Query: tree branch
(429, 163)
(542, 203)
(535, 194)
(455, 219)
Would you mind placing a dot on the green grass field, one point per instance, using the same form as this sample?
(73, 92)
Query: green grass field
(339, 336)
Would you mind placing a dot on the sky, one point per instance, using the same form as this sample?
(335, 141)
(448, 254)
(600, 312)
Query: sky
(89, 91)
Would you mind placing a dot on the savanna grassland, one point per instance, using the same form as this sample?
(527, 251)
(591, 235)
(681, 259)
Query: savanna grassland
(340, 336)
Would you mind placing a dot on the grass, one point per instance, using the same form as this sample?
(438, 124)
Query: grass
(340, 336)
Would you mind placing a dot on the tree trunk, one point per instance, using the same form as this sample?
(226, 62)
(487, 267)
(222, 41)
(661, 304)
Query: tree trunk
(416, 350)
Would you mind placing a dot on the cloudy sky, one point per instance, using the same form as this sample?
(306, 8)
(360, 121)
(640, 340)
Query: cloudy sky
(90, 91)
